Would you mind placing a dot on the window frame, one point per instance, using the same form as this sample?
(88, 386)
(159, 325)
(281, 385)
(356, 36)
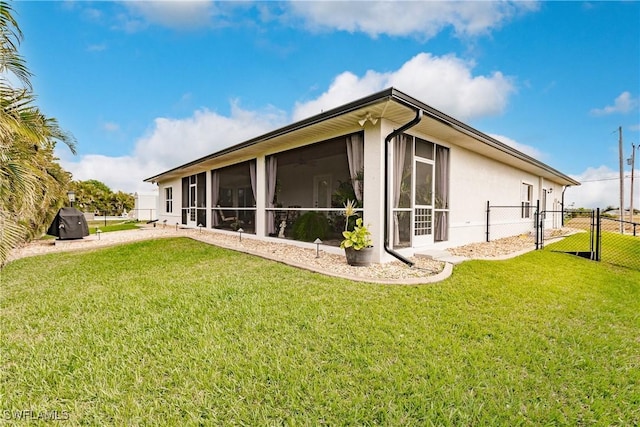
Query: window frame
(168, 199)
(526, 200)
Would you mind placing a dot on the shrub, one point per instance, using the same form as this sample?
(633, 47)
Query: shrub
(310, 226)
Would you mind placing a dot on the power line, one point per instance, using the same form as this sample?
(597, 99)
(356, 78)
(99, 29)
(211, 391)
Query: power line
(608, 179)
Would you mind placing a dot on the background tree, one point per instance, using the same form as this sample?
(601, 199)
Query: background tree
(121, 202)
(32, 183)
(91, 195)
(96, 197)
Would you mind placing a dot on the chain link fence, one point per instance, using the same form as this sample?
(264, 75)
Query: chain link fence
(583, 232)
(577, 235)
(618, 248)
(509, 221)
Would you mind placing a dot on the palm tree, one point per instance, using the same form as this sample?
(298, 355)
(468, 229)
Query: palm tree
(10, 37)
(32, 184)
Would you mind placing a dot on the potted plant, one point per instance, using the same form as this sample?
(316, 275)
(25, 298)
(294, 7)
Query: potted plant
(357, 243)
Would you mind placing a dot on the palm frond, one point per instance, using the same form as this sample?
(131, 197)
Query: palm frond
(10, 37)
(11, 235)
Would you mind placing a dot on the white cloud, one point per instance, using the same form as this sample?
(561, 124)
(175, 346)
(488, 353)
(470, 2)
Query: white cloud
(601, 188)
(97, 47)
(123, 173)
(111, 127)
(419, 18)
(624, 103)
(526, 149)
(176, 141)
(170, 143)
(344, 88)
(182, 14)
(444, 82)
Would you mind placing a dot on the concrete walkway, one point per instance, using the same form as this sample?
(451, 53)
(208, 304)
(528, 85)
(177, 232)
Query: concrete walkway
(442, 255)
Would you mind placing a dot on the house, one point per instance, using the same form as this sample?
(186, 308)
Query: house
(145, 206)
(422, 179)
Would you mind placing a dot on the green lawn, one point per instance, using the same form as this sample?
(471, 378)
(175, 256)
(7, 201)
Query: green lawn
(94, 226)
(618, 249)
(111, 226)
(177, 332)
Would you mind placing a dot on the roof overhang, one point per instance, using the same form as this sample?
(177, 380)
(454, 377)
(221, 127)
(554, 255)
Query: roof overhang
(390, 104)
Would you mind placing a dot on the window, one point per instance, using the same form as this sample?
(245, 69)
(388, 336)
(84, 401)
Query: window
(424, 149)
(168, 199)
(527, 195)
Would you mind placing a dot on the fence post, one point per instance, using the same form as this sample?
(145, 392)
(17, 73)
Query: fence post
(488, 210)
(536, 219)
(598, 240)
(592, 236)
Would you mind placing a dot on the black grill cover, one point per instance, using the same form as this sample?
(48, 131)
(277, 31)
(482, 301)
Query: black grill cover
(69, 223)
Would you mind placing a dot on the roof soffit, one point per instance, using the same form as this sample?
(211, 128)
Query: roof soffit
(397, 109)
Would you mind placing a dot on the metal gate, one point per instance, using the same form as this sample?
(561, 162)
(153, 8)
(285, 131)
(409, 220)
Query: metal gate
(587, 233)
(580, 233)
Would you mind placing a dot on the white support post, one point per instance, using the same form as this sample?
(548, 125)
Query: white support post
(374, 180)
(209, 203)
(261, 196)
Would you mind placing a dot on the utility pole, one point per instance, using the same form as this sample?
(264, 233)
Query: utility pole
(621, 151)
(633, 165)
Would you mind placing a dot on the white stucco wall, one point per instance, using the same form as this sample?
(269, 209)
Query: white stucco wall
(171, 217)
(145, 206)
(476, 180)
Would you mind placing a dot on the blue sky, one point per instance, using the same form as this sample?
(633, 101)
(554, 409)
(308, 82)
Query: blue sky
(146, 86)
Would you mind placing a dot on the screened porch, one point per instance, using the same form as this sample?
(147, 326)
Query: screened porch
(307, 189)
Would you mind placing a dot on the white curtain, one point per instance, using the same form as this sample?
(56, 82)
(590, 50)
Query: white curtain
(355, 157)
(272, 169)
(399, 152)
(215, 194)
(441, 229)
(252, 175)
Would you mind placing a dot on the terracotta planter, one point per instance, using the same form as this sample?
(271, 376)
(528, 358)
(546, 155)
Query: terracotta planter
(361, 258)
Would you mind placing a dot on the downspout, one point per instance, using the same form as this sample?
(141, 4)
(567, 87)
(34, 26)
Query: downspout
(387, 141)
(564, 188)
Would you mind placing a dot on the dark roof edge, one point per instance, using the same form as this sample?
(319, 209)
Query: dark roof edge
(480, 136)
(355, 105)
(389, 93)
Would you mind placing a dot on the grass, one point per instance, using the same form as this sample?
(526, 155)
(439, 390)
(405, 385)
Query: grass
(118, 225)
(95, 225)
(176, 332)
(114, 227)
(623, 250)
